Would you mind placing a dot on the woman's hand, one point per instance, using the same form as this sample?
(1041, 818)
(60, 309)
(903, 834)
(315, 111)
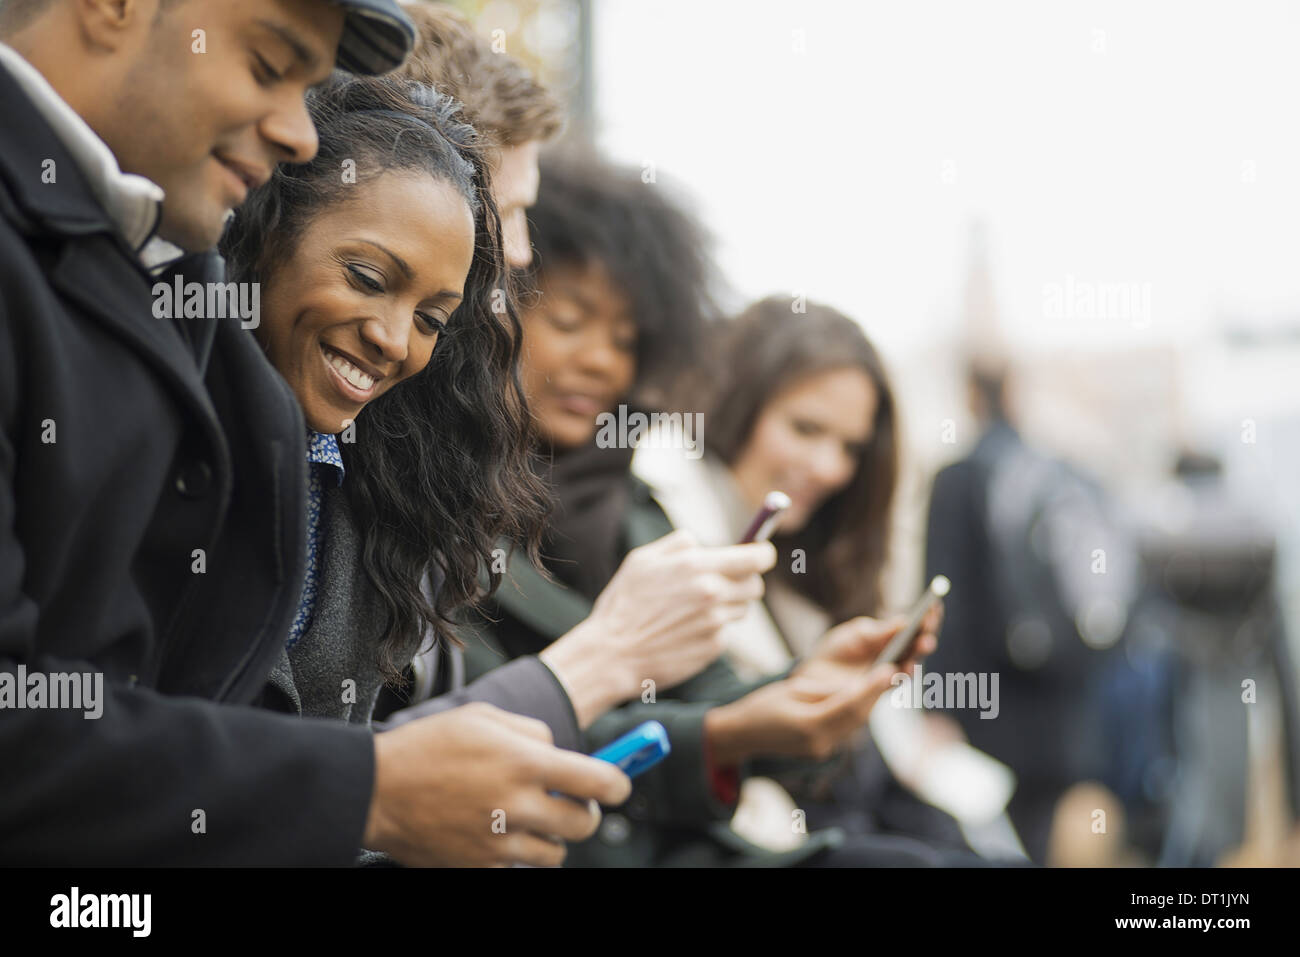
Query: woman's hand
(849, 647)
(822, 703)
(799, 717)
(660, 619)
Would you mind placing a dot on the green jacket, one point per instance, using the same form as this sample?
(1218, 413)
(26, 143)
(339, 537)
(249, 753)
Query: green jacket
(672, 817)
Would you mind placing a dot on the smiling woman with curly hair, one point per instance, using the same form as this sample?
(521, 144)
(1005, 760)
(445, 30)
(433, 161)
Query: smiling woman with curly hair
(387, 308)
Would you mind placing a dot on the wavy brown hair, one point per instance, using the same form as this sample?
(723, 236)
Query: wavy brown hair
(766, 349)
(442, 467)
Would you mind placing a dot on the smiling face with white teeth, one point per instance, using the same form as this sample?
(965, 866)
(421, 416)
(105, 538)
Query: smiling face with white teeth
(358, 305)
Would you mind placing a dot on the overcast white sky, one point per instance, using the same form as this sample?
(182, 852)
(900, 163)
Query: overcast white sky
(1104, 142)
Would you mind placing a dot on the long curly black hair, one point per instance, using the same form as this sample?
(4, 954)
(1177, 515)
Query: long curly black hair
(442, 467)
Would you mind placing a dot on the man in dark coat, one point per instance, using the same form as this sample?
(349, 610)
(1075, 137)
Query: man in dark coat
(152, 467)
(1016, 530)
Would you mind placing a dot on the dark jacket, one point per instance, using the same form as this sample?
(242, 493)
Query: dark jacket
(1045, 730)
(150, 461)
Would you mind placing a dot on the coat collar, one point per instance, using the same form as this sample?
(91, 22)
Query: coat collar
(112, 289)
(89, 190)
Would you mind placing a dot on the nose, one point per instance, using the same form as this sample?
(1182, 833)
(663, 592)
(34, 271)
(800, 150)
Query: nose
(831, 465)
(290, 130)
(599, 356)
(389, 335)
(514, 234)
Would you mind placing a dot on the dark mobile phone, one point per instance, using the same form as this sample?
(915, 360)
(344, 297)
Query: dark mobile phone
(765, 519)
(904, 641)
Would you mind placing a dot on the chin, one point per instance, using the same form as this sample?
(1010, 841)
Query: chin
(195, 236)
(567, 437)
(325, 427)
(562, 431)
(793, 522)
(329, 422)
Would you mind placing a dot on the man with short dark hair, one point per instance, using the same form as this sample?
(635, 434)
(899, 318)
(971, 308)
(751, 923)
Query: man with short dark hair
(152, 473)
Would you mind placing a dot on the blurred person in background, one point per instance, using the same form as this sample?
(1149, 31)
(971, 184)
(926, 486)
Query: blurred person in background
(1041, 583)
(799, 402)
(1210, 639)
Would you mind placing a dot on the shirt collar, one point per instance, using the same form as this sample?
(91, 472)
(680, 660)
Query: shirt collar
(323, 449)
(158, 254)
(133, 202)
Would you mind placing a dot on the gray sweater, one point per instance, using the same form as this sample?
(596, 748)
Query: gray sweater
(333, 671)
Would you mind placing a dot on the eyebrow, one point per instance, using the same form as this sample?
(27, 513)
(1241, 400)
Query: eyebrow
(301, 50)
(401, 263)
(574, 292)
(404, 266)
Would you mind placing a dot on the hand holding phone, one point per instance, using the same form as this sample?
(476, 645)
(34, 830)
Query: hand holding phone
(639, 750)
(900, 647)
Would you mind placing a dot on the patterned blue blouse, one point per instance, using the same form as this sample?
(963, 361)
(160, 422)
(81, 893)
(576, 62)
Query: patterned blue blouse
(324, 462)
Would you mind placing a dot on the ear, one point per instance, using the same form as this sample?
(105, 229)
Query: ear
(107, 24)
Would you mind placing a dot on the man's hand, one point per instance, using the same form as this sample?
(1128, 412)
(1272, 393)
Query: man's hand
(661, 617)
(477, 786)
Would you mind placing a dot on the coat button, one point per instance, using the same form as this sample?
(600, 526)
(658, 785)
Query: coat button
(194, 480)
(615, 830)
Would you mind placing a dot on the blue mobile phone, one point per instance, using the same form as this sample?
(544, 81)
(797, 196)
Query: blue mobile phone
(639, 750)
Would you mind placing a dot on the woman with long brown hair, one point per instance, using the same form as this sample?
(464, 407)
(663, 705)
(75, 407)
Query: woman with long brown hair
(799, 401)
(804, 405)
